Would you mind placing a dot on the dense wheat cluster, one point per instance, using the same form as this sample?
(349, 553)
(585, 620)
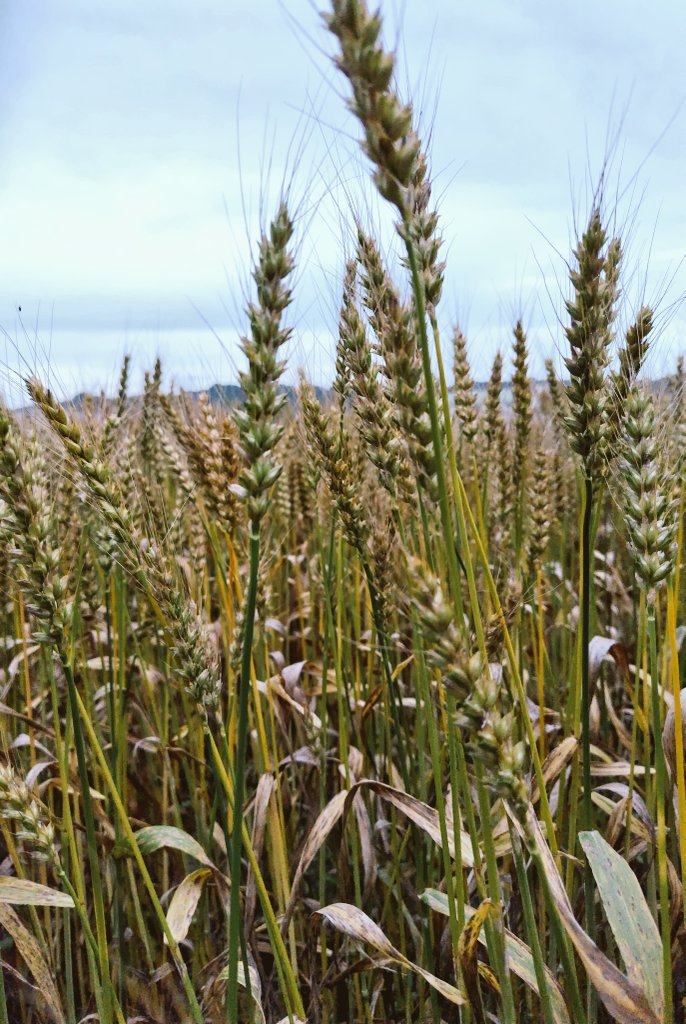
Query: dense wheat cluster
(354, 705)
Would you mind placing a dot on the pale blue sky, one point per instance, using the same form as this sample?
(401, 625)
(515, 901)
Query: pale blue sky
(141, 142)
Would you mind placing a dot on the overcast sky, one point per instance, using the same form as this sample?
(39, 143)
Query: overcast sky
(141, 144)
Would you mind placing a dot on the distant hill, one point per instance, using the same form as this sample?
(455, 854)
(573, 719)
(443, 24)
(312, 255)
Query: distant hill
(218, 394)
(232, 394)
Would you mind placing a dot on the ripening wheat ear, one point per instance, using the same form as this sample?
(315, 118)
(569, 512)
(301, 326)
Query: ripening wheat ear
(465, 395)
(378, 429)
(260, 432)
(492, 413)
(650, 509)
(425, 236)
(210, 448)
(521, 402)
(401, 364)
(632, 355)
(257, 421)
(193, 646)
(19, 804)
(485, 714)
(539, 510)
(113, 422)
(389, 141)
(591, 310)
(149, 413)
(31, 523)
(334, 460)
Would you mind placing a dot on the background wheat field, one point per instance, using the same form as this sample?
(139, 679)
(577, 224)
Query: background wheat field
(356, 705)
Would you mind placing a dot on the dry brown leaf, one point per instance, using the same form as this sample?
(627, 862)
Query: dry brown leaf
(317, 837)
(353, 922)
(22, 891)
(669, 734)
(184, 903)
(33, 723)
(365, 833)
(556, 760)
(265, 788)
(620, 728)
(372, 700)
(604, 648)
(467, 947)
(642, 825)
(425, 817)
(273, 686)
(676, 895)
(611, 769)
(30, 952)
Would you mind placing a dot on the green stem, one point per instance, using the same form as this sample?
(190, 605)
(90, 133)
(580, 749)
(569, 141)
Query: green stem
(587, 806)
(446, 517)
(89, 821)
(286, 977)
(660, 773)
(145, 874)
(90, 938)
(567, 959)
(496, 935)
(239, 780)
(531, 930)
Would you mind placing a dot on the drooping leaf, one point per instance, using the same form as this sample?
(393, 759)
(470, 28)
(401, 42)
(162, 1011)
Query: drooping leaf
(602, 648)
(317, 837)
(425, 817)
(155, 837)
(355, 923)
(265, 788)
(556, 760)
(22, 891)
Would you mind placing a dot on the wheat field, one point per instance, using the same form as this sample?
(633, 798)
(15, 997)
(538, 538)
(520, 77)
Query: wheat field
(356, 705)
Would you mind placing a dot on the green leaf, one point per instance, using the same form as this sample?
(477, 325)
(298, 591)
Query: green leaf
(624, 999)
(155, 837)
(629, 917)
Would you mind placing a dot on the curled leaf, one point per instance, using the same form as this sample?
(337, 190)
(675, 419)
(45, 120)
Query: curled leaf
(317, 837)
(184, 903)
(468, 958)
